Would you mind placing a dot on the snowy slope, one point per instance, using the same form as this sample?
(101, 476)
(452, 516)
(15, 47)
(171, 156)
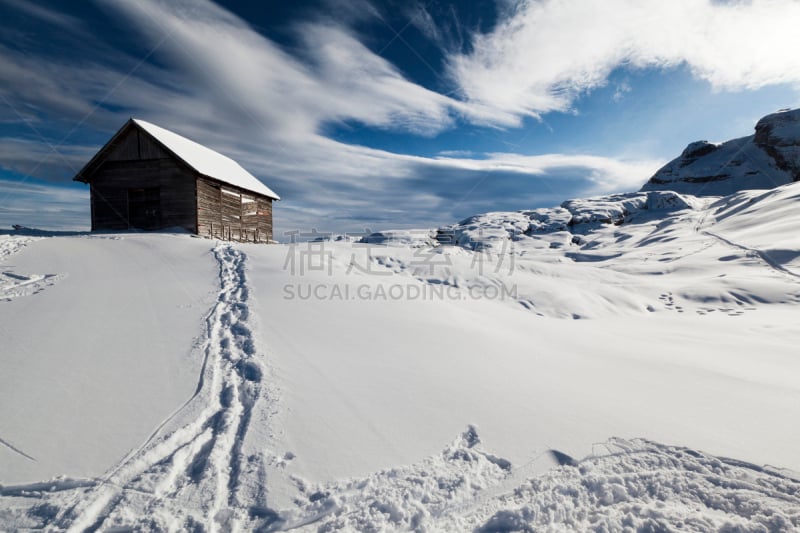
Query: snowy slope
(766, 159)
(236, 386)
(95, 358)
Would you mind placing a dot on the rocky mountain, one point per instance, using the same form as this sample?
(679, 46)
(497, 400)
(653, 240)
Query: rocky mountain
(768, 158)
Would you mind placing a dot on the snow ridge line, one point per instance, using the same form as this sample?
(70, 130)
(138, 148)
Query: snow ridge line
(196, 453)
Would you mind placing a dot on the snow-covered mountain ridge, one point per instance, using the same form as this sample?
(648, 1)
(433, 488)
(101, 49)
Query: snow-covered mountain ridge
(635, 225)
(703, 173)
(768, 158)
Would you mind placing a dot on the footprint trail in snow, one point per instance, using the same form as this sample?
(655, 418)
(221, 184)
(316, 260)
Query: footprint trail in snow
(193, 468)
(207, 468)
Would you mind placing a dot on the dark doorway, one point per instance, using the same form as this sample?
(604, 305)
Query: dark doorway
(144, 208)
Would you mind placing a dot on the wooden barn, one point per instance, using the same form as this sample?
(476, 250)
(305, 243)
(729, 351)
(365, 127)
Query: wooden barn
(150, 178)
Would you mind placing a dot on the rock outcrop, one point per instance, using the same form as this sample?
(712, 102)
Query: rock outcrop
(767, 159)
(779, 135)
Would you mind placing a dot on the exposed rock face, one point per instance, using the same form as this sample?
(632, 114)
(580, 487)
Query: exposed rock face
(779, 135)
(767, 159)
(697, 149)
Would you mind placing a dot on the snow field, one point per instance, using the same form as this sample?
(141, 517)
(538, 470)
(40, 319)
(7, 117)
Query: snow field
(655, 315)
(93, 363)
(190, 468)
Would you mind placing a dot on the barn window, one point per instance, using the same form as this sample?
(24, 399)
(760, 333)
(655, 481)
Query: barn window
(231, 205)
(249, 205)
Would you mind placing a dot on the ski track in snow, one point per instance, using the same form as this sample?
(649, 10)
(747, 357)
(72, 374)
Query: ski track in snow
(198, 471)
(635, 485)
(16, 450)
(754, 252)
(189, 471)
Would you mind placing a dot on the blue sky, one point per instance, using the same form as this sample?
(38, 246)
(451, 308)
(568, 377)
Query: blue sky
(387, 114)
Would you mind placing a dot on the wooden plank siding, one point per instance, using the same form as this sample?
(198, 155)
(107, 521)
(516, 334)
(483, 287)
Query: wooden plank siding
(264, 219)
(209, 217)
(231, 209)
(134, 145)
(229, 213)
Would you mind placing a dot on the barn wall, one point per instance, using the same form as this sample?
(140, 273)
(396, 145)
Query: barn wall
(209, 218)
(134, 145)
(229, 213)
(265, 218)
(112, 180)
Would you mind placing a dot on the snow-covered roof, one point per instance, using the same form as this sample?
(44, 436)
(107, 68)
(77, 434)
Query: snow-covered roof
(206, 161)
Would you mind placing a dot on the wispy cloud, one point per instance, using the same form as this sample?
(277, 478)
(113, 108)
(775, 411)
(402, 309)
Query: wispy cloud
(47, 15)
(268, 109)
(546, 53)
(336, 79)
(604, 173)
(35, 158)
(38, 205)
(222, 83)
(33, 84)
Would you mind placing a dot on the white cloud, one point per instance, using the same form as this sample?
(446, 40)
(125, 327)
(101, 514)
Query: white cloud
(545, 53)
(223, 84)
(605, 173)
(620, 90)
(339, 80)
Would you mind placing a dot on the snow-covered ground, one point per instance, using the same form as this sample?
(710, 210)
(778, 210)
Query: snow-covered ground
(582, 367)
(101, 353)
